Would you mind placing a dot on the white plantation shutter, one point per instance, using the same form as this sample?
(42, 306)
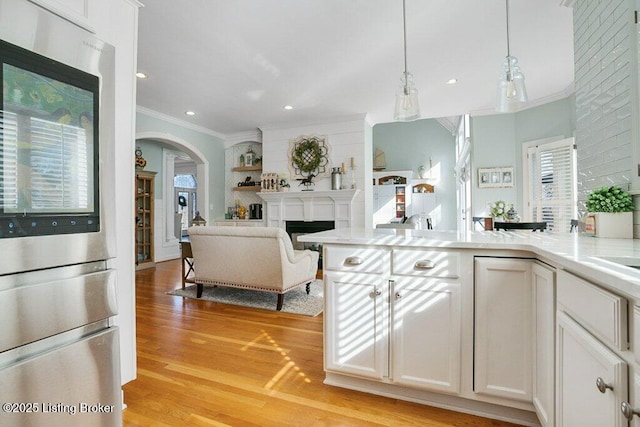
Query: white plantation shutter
(59, 169)
(552, 184)
(55, 162)
(8, 161)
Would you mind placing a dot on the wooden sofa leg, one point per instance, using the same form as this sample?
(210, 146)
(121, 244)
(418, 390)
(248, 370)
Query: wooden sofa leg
(199, 289)
(308, 288)
(280, 301)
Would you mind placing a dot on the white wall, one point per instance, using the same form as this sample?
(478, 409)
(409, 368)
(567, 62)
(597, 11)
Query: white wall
(346, 137)
(116, 22)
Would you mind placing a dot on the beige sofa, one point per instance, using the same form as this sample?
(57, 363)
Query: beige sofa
(258, 258)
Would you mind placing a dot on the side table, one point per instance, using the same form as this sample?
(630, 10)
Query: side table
(187, 261)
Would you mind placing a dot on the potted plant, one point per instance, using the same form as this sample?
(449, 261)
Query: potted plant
(498, 209)
(610, 213)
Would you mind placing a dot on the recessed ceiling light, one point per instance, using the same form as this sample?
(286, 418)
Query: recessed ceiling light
(190, 113)
(288, 107)
(452, 81)
(141, 75)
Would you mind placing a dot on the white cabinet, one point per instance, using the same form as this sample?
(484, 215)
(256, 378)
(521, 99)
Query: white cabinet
(592, 342)
(544, 308)
(356, 313)
(584, 363)
(503, 328)
(425, 334)
(356, 310)
(80, 12)
(399, 325)
(384, 203)
(391, 196)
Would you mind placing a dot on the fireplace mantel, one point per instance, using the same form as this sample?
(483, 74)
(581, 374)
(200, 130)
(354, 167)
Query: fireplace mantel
(329, 205)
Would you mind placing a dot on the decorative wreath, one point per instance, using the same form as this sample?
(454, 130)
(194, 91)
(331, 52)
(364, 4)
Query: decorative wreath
(308, 155)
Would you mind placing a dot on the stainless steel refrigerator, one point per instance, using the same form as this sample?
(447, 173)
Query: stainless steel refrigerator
(59, 350)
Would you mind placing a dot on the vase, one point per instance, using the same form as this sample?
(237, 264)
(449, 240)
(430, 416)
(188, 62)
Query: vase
(613, 225)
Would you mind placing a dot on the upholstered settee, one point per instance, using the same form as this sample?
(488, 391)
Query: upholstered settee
(258, 258)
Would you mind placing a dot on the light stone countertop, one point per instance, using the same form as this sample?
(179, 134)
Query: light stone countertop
(597, 259)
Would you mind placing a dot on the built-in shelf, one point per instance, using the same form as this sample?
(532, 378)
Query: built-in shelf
(247, 168)
(247, 188)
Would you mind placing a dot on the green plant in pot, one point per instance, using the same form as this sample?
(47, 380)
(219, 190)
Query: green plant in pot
(610, 212)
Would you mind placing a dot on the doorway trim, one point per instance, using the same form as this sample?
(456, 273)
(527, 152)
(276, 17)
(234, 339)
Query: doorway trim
(166, 246)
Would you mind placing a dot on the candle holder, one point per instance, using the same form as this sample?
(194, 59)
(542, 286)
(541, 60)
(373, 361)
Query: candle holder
(353, 177)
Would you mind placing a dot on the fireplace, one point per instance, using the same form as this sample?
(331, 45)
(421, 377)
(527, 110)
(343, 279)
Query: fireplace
(298, 228)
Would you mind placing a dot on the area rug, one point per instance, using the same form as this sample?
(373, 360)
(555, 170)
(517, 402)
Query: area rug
(296, 301)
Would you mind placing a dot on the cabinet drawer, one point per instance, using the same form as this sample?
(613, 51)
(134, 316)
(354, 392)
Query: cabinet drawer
(354, 259)
(601, 312)
(422, 263)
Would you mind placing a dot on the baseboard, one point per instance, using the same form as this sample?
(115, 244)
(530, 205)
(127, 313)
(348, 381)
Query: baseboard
(453, 403)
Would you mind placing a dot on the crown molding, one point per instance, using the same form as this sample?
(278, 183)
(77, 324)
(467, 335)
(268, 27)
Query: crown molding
(339, 119)
(179, 122)
(568, 91)
(240, 137)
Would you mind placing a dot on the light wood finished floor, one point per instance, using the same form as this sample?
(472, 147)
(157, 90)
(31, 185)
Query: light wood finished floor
(202, 363)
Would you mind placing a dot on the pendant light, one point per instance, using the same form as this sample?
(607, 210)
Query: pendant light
(511, 91)
(407, 106)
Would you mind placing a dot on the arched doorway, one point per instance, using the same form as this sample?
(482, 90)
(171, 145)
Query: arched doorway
(166, 243)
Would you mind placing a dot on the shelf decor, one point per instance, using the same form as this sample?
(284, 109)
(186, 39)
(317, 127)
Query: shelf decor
(308, 158)
(141, 162)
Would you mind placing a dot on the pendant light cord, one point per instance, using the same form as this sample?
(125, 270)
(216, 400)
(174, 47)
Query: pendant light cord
(508, 51)
(404, 29)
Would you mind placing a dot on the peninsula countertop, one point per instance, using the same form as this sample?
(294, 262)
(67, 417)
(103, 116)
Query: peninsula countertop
(609, 262)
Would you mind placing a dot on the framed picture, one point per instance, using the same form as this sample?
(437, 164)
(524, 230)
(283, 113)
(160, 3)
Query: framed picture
(495, 177)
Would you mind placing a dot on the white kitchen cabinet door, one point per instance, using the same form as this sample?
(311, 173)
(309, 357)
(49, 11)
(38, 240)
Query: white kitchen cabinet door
(384, 204)
(581, 361)
(544, 303)
(503, 326)
(356, 324)
(425, 333)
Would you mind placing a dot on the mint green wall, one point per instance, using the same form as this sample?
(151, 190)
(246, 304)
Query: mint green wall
(211, 147)
(409, 145)
(152, 153)
(497, 141)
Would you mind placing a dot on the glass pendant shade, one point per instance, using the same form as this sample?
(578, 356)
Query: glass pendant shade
(407, 105)
(512, 93)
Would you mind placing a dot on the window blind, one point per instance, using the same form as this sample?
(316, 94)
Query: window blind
(8, 161)
(552, 181)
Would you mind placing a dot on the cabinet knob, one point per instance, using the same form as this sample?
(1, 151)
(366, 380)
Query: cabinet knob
(375, 293)
(398, 295)
(353, 260)
(628, 411)
(602, 386)
(424, 264)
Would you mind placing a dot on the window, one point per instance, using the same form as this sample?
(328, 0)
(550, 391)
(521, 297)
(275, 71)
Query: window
(50, 172)
(463, 173)
(551, 186)
(186, 198)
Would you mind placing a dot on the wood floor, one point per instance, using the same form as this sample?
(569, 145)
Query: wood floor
(202, 363)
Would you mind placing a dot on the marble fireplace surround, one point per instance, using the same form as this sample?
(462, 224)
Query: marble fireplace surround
(308, 206)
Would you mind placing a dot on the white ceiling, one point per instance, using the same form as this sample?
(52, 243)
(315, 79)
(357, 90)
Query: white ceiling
(236, 63)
